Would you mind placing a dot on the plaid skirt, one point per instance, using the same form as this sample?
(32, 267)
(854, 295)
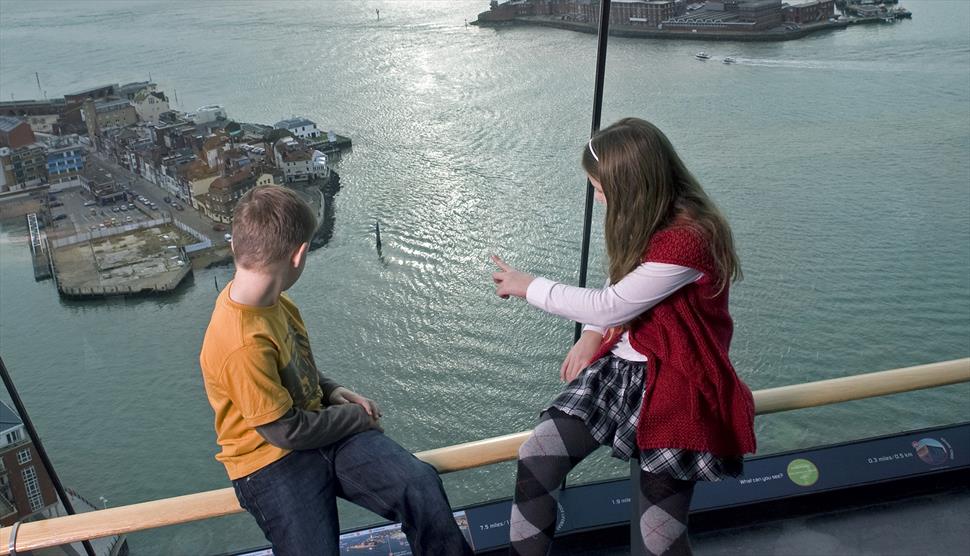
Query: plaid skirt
(607, 396)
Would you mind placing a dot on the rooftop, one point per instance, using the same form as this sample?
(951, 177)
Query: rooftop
(27, 103)
(91, 90)
(294, 122)
(110, 105)
(8, 417)
(9, 123)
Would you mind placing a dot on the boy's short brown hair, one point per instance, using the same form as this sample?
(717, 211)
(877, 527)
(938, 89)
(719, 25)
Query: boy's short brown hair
(268, 224)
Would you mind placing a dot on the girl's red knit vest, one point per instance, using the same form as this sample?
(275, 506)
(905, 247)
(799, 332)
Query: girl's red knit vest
(693, 399)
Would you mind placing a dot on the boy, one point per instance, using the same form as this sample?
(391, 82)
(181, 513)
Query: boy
(293, 440)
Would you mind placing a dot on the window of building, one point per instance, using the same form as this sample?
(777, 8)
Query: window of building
(13, 436)
(23, 456)
(32, 486)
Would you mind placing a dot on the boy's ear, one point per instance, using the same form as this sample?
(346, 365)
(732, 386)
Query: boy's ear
(299, 255)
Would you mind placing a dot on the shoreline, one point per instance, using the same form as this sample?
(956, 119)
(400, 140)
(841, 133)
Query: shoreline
(628, 31)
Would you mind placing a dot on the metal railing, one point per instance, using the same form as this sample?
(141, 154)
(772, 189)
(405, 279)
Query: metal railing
(216, 503)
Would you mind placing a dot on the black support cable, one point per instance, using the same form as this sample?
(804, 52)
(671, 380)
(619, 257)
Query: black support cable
(602, 38)
(32, 433)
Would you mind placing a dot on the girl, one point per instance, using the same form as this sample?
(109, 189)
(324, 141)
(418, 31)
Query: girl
(650, 377)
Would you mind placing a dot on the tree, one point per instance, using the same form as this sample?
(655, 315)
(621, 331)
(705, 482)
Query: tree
(275, 135)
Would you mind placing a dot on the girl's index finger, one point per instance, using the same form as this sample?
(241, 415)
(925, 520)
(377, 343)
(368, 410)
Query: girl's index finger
(501, 264)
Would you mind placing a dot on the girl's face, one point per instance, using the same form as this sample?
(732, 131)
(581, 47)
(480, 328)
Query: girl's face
(597, 190)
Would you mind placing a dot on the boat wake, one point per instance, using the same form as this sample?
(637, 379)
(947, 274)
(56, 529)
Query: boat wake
(829, 65)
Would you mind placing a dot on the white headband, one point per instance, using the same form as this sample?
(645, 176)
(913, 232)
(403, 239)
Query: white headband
(592, 152)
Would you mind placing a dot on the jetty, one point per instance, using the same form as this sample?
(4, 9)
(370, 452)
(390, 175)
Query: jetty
(39, 254)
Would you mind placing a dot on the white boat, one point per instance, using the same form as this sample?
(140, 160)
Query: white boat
(702, 55)
(729, 60)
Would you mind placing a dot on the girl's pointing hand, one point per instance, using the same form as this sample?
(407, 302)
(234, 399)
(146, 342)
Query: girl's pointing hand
(508, 281)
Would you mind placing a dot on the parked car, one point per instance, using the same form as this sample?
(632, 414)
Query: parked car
(128, 219)
(55, 204)
(228, 237)
(168, 200)
(89, 203)
(124, 208)
(178, 206)
(218, 228)
(59, 217)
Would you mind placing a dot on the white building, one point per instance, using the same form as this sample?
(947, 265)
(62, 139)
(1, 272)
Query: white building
(298, 162)
(208, 113)
(300, 127)
(150, 105)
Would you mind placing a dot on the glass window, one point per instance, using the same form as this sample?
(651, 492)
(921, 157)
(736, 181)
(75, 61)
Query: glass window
(32, 487)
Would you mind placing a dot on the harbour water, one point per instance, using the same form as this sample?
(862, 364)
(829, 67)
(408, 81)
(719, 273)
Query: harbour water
(841, 160)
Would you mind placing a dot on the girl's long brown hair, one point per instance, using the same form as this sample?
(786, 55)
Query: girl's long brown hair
(647, 187)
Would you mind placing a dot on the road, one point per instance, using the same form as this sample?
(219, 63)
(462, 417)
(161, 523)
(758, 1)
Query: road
(140, 186)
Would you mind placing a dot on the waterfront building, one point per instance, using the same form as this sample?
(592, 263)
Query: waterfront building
(150, 105)
(92, 93)
(130, 90)
(299, 127)
(43, 116)
(649, 13)
(208, 114)
(25, 488)
(15, 133)
(731, 15)
(299, 162)
(65, 161)
(809, 11)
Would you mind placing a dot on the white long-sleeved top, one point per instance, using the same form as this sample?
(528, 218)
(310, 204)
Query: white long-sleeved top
(599, 309)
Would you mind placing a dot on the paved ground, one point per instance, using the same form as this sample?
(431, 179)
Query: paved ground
(82, 218)
(143, 259)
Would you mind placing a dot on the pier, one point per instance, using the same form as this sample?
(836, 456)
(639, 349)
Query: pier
(332, 147)
(138, 259)
(39, 255)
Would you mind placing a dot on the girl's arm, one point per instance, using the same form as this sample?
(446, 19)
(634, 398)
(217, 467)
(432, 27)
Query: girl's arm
(647, 285)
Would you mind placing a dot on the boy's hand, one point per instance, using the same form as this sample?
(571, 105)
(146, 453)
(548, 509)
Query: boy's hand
(344, 395)
(508, 281)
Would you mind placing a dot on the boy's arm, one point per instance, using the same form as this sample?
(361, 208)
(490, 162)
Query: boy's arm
(327, 385)
(300, 429)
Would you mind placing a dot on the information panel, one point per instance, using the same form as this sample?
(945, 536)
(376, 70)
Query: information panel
(767, 478)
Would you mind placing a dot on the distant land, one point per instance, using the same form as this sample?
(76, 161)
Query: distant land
(720, 20)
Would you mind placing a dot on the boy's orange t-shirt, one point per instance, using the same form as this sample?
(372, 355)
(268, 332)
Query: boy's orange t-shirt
(256, 365)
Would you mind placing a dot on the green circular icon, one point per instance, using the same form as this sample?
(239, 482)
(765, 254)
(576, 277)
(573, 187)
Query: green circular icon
(802, 472)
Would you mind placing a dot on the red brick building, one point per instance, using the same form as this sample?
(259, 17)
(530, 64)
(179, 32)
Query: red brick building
(809, 12)
(649, 13)
(25, 487)
(15, 133)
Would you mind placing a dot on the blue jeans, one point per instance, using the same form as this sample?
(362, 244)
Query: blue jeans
(294, 499)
